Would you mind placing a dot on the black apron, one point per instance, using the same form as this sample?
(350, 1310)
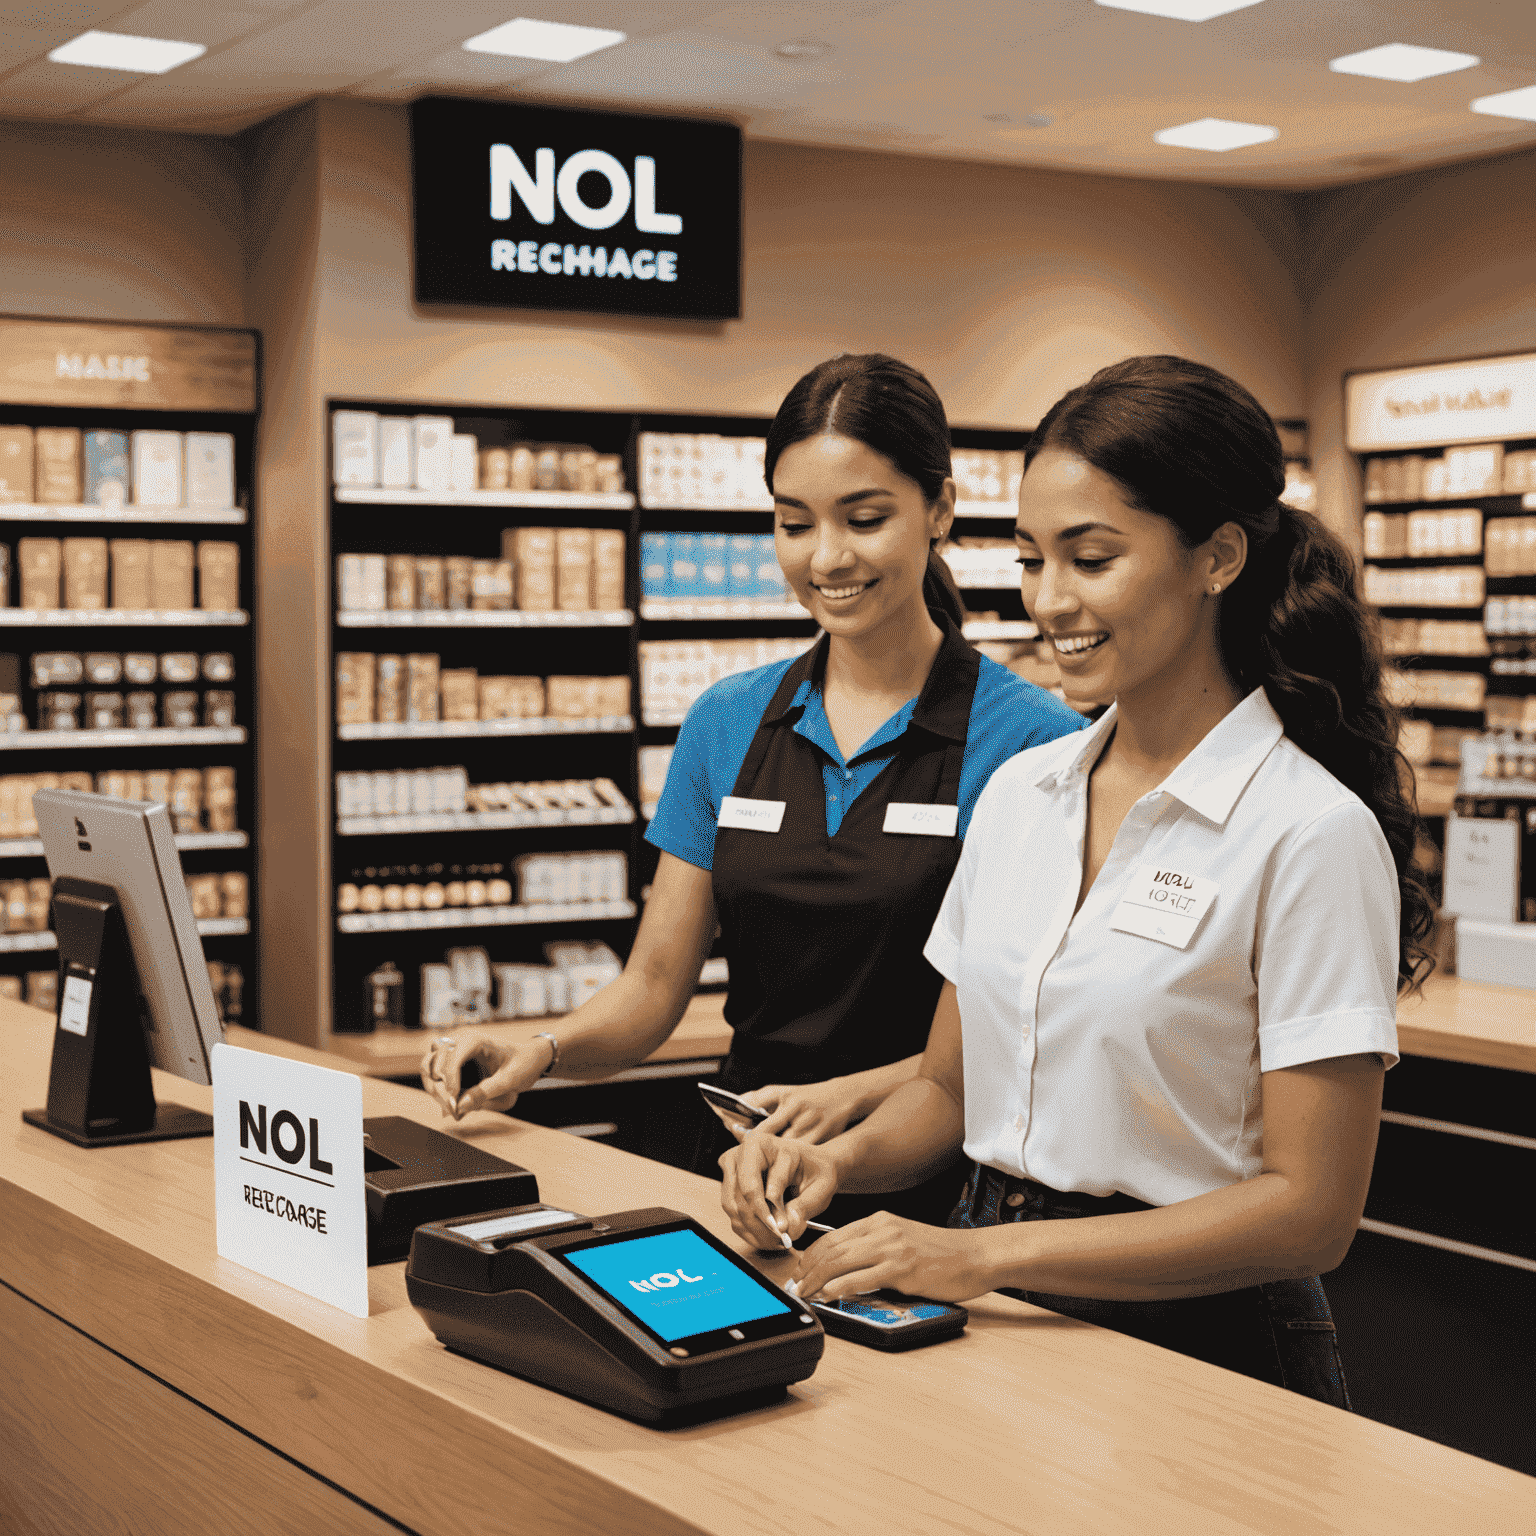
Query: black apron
(824, 934)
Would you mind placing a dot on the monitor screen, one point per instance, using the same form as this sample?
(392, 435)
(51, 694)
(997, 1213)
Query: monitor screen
(676, 1284)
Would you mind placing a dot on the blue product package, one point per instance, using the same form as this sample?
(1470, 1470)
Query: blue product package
(714, 554)
(770, 576)
(685, 565)
(741, 567)
(656, 564)
(106, 468)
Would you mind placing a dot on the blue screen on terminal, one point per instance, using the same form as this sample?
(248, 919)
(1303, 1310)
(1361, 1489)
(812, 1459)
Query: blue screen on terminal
(676, 1284)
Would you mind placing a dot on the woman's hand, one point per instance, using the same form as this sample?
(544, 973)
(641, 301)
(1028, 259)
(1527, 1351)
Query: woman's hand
(885, 1252)
(506, 1072)
(813, 1112)
(757, 1175)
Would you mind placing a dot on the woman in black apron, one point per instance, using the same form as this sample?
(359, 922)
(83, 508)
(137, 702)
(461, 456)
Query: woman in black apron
(814, 810)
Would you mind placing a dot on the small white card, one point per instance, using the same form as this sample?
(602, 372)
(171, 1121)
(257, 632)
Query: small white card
(751, 815)
(922, 820)
(75, 1005)
(288, 1174)
(1165, 904)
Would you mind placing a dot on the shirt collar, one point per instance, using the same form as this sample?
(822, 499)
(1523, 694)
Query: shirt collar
(1213, 776)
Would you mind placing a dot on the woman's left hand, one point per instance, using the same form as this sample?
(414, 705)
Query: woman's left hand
(885, 1252)
(812, 1112)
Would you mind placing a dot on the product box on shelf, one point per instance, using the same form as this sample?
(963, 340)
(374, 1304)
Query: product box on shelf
(40, 563)
(130, 573)
(58, 465)
(463, 462)
(106, 468)
(210, 461)
(656, 564)
(17, 451)
(218, 575)
(434, 453)
(492, 585)
(421, 686)
(157, 469)
(85, 573)
(397, 452)
(355, 447)
(532, 551)
(354, 687)
(170, 573)
(573, 569)
(607, 570)
(713, 551)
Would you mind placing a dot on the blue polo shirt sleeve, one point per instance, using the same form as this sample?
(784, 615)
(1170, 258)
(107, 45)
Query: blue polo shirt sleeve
(712, 744)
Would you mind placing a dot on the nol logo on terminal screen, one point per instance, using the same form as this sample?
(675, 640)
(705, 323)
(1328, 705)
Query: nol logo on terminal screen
(666, 1279)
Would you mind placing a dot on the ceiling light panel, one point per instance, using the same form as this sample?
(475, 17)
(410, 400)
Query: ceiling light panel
(1520, 104)
(121, 50)
(1216, 134)
(1403, 61)
(556, 42)
(1179, 10)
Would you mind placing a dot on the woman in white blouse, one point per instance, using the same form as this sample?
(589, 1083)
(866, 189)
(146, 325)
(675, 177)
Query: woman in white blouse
(1173, 944)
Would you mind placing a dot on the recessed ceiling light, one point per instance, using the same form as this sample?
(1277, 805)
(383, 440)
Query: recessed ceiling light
(1179, 10)
(1521, 104)
(803, 48)
(1216, 134)
(556, 42)
(1402, 61)
(121, 50)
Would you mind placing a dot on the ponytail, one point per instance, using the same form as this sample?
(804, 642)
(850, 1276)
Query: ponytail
(1188, 444)
(940, 591)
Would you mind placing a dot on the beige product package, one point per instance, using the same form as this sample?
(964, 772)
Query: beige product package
(218, 576)
(39, 563)
(354, 687)
(613, 695)
(511, 698)
(85, 573)
(389, 685)
(43, 990)
(495, 469)
(170, 574)
(17, 476)
(157, 469)
(235, 891)
(532, 551)
(431, 593)
(141, 711)
(186, 802)
(397, 452)
(492, 584)
(421, 686)
(400, 581)
(463, 462)
(461, 694)
(521, 466)
(219, 708)
(58, 465)
(607, 569)
(16, 919)
(572, 698)
(573, 569)
(610, 473)
(130, 576)
(204, 893)
(179, 709)
(434, 452)
(178, 667)
(458, 581)
(349, 582)
(210, 469)
(355, 447)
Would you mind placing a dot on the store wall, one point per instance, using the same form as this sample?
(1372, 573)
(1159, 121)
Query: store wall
(1413, 269)
(113, 225)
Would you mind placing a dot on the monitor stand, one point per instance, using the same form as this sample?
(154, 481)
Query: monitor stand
(100, 1093)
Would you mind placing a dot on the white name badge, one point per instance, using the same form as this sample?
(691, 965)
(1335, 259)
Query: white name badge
(751, 815)
(1164, 904)
(922, 820)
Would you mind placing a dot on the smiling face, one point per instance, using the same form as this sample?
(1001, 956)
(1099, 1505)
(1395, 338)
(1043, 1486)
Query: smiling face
(852, 534)
(1125, 605)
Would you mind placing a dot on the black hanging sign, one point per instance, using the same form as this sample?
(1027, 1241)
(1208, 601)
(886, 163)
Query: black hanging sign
(539, 208)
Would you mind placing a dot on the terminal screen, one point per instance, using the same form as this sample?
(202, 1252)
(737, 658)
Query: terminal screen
(676, 1284)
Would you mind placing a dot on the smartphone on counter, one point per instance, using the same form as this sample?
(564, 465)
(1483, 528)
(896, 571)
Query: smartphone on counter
(732, 1107)
(890, 1321)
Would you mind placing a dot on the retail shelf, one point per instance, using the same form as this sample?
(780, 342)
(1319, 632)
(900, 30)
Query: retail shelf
(45, 512)
(19, 943)
(763, 506)
(664, 717)
(992, 509)
(984, 581)
(1000, 629)
(715, 972)
(119, 618)
(222, 927)
(186, 842)
(483, 821)
(163, 736)
(393, 496)
(483, 917)
(545, 725)
(482, 618)
(720, 608)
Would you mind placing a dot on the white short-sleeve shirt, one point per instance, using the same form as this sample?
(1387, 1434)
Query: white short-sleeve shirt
(1099, 1061)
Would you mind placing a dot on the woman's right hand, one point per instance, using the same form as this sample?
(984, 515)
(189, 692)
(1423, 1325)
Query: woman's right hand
(756, 1175)
(505, 1072)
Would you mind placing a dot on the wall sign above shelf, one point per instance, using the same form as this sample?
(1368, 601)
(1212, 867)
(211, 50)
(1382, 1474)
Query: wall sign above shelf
(1490, 399)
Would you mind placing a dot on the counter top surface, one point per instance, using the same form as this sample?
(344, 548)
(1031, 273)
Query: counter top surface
(1459, 1020)
(1029, 1423)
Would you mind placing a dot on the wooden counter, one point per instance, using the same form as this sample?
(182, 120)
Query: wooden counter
(153, 1386)
(1470, 1021)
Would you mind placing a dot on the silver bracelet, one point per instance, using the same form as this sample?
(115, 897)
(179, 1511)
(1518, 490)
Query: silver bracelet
(554, 1051)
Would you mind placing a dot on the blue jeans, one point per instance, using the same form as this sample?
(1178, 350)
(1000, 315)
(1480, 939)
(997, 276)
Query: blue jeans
(1280, 1332)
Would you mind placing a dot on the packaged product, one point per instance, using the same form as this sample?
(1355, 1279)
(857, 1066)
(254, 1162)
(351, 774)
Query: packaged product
(397, 447)
(437, 996)
(219, 708)
(400, 581)
(458, 581)
(157, 466)
(655, 565)
(58, 711)
(218, 667)
(218, 575)
(610, 473)
(16, 916)
(43, 990)
(85, 573)
(421, 690)
(179, 710)
(546, 468)
(39, 895)
(492, 584)
(495, 469)
(11, 988)
(573, 569)
(179, 667)
(204, 893)
(532, 551)
(40, 563)
(186, 802)
(130, 573)
(16, 464)
(713, 557)
(141, 711)
(159, 786)
(210, 460)
(389, 684)
(104, 711)
(106, 468)
(355, 447)
(613, 697)
(431, 590)
(354, 687)
(434, 453)
(607, 569)
(460, 693)
(52, 668)
(464, 462)
(170, 574)
(141, 667)
(234, 893)
(58, 465)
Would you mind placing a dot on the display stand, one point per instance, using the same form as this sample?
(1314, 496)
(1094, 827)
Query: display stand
(100, 1093)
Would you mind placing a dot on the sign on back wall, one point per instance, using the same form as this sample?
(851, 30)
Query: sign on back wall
(540, 208)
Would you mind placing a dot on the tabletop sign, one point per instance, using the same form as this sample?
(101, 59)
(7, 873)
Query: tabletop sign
(521, 207)
(144, 367)
(1482, 868)
(288, 1174)
(1487, 400)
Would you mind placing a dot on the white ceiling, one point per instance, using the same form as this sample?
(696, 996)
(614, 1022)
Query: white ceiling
(913, 76)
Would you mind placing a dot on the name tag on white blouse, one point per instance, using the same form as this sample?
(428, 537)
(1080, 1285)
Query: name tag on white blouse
(1164, 904)
(751, 815)
(922, 820)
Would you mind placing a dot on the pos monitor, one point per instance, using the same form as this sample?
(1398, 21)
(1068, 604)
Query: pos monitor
(133, 986)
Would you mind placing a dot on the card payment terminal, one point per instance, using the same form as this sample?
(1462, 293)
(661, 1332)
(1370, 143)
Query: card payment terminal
(643, 1313)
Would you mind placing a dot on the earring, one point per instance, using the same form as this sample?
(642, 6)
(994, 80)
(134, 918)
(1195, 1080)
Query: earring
(1215, 588)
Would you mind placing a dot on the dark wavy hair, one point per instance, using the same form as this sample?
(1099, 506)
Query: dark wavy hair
(1191, 445)
(888, 406)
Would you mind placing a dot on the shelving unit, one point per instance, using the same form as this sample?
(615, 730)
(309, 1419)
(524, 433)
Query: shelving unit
(192, 380)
